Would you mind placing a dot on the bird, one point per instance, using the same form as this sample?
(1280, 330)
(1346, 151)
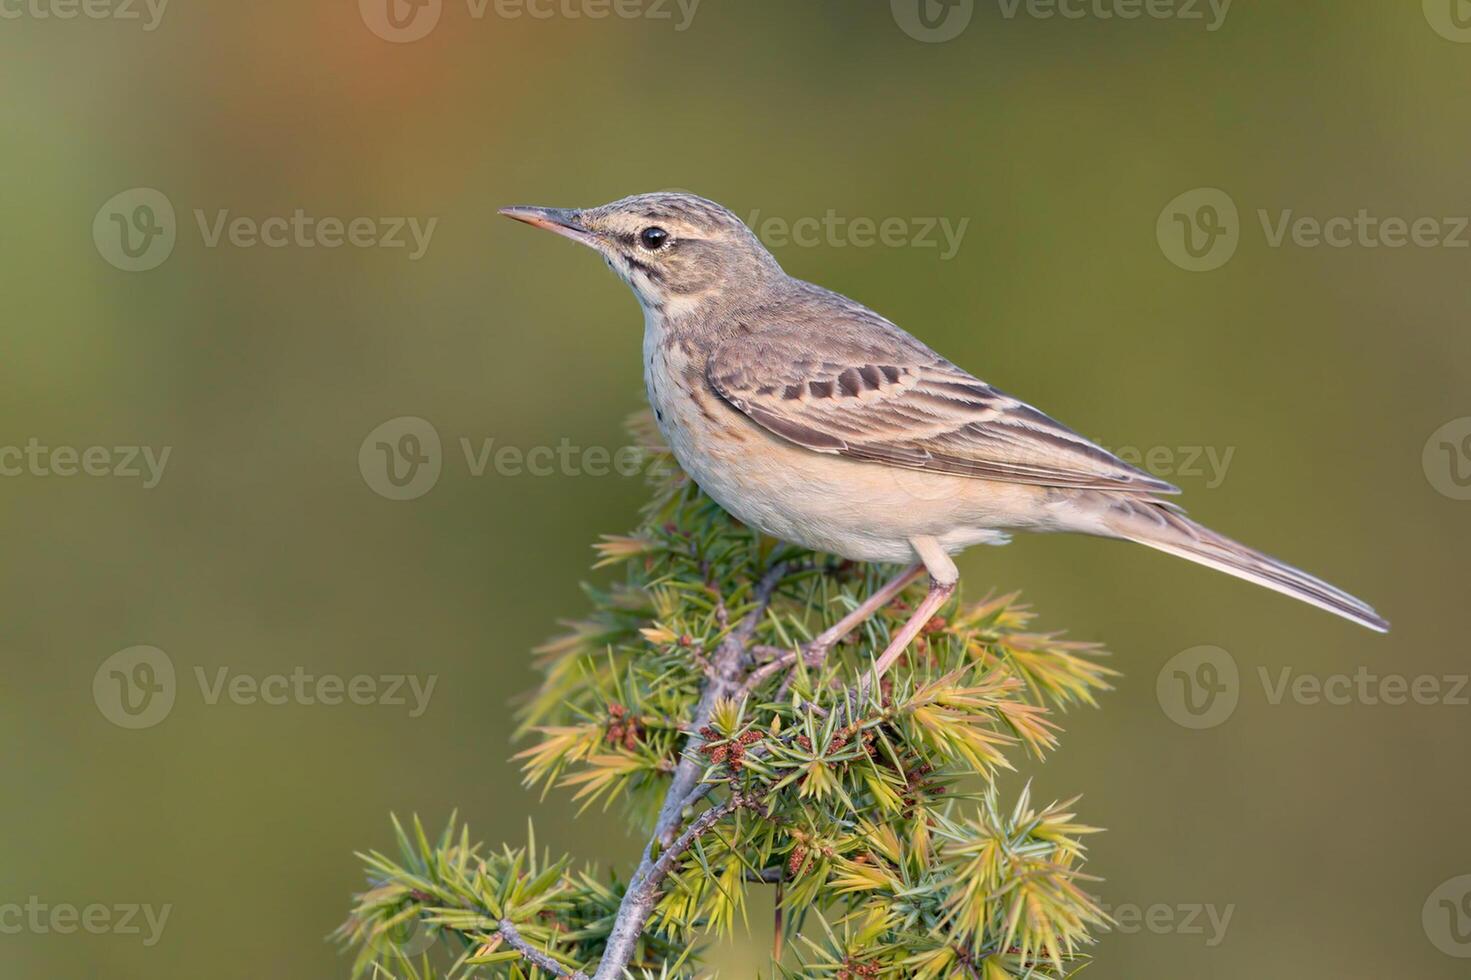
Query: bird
(810, 417)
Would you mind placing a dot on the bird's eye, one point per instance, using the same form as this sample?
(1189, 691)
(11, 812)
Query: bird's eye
(654, 238)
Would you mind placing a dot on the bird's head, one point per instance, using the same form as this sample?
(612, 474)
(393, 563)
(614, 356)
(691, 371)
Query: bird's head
(674, 249)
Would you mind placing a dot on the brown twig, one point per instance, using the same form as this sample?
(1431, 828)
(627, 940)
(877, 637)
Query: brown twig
(815, 652)
(643, 891)
(538, 958)
(724, 680)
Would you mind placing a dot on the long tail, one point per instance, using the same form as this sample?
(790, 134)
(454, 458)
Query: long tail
(1163, 526)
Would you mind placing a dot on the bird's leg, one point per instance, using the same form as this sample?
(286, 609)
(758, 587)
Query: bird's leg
(939, 594)
(829, 638)
(943, 578)
(814, 652)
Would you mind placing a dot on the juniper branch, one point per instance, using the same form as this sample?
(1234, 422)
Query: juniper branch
(729, 662)
(684, 695)
(535, 956)
(815, 652)
(643, 892)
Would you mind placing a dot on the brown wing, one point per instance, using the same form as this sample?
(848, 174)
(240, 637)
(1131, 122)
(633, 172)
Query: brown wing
(871, 392)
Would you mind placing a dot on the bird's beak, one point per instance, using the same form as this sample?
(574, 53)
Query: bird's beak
(562, 221)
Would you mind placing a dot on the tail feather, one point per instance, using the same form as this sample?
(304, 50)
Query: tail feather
(1165, 527)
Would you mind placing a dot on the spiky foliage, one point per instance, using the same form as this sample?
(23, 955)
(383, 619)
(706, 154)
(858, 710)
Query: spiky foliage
(692, 698)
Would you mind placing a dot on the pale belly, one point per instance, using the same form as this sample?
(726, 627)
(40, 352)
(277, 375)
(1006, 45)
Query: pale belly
(862, 511)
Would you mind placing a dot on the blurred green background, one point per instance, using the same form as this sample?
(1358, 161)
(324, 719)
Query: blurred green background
(264, 550)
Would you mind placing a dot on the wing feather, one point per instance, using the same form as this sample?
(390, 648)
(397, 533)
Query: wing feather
(876, 394)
